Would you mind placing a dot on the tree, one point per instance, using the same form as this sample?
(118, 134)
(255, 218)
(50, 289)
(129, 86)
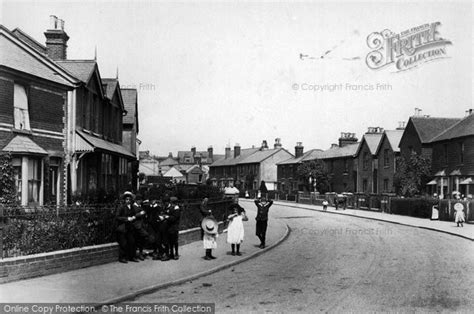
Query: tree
(316, 170)
(412, 175)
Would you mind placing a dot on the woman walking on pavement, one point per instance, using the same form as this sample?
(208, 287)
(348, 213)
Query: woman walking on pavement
(235, 230)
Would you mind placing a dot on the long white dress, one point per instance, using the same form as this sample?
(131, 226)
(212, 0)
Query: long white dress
(210, 241)
(235, 231)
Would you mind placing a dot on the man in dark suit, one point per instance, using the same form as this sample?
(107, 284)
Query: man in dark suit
(125, 217)
(262, 219)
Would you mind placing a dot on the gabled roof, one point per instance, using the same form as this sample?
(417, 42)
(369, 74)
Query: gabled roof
(393, 137)
(130, 102)
(372, 140)
(110, 84)
(18, 55)
(25, 145)
(173, 172)
(260, 156)
(233, 161)
(430, 127)
(82, 69)
(465, 127)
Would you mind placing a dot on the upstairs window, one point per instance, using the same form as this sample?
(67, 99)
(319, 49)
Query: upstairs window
(461, 152)
(20, 104)
(386, 158)
(365, 161)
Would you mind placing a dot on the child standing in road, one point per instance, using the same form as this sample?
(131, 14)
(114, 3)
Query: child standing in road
(210, 226)
(235, 231)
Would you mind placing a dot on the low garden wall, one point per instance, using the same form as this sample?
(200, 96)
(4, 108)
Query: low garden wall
(43, 242)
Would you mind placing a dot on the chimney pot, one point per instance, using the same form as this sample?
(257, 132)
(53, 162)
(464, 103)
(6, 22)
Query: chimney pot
(277, 143)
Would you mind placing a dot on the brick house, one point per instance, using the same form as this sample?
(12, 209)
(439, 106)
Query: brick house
(33, 114)
(387, 154)
(366, 161)
(247, 168)
(453, 158)
(419, 132)
(341, 167)
(287, 176)
(97, 159)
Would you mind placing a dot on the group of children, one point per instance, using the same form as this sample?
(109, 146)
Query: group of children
(143, 223)
(156, 224)
(235, 228)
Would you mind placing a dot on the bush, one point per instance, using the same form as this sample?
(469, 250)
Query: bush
(70, 227)
(415, 207)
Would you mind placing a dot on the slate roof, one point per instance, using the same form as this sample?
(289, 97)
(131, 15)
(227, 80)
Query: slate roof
(349, 150)
(33, 43)
(25, 145)
(430, 127)
(294, 160)
(259, 156)
(233, 161)
(130, 101)
(465, 127)
(20, 56)
(394, 137)
(82, 69)
(110, 86)
(372, 140)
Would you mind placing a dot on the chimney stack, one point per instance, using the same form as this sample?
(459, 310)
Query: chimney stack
(299, 149)
(347, 138)
(227, 152)
(374, 130)
(210, 152)
(193, 150)
(236, 150)
(401, 125)
(56, 39)
(277, 143)
(264, 145)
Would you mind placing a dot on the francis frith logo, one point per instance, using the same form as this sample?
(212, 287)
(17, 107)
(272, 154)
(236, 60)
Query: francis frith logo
(407, 49)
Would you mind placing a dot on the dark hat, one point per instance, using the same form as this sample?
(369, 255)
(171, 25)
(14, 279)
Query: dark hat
(210, 225)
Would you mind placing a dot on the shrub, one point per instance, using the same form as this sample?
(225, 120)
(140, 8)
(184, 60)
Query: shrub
(415, 207)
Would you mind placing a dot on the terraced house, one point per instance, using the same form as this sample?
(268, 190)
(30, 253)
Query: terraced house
(33, 115)
(247, 168)
(63, 123)
(453, 158)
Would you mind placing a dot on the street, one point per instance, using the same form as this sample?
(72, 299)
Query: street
(333, 263)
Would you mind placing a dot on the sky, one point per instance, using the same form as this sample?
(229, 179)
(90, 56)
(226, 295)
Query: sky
(219, 73)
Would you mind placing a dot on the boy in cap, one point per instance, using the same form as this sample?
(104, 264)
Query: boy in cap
(125, 231)
(262, 219)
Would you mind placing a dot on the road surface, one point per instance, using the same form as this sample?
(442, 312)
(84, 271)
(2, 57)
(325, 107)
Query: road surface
(335, 263)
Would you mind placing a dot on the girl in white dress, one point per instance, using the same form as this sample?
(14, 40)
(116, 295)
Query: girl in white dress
(235, 230)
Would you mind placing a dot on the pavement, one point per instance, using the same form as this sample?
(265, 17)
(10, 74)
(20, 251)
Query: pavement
(116, 282)
(448, 227)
